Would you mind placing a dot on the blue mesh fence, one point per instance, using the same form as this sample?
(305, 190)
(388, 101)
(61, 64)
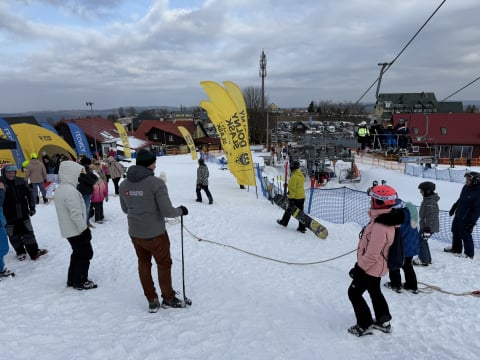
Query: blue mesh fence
(446, 174)
(345, 205)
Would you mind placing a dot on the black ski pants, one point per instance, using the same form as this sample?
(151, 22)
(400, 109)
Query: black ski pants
(364, 282)
(299, 203)
(82, 253)
(410, 276)
(21, 236)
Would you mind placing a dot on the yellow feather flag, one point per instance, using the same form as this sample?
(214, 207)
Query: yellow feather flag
(241, 164)
(220, 126)
(124, 138)
(189, 140)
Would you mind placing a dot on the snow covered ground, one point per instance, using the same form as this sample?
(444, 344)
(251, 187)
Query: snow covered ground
(245, 305)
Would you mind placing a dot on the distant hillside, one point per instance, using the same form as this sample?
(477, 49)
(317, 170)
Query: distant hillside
(54, 116)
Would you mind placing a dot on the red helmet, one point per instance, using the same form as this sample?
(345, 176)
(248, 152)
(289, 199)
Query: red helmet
(383, 196)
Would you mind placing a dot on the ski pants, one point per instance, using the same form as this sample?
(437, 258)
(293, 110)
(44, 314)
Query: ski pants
(299, 203)
(157, 247)
(410, 276)
(3, 246)
(424, 250)
(82, 253)
(364, 282)
(199, 188)
(115, 185)
(35, 188)
(459, 234)
(21, 236)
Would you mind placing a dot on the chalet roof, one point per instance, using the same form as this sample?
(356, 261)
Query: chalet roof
(409, 99)
(97, 127)
(169, 127)
(450, 107)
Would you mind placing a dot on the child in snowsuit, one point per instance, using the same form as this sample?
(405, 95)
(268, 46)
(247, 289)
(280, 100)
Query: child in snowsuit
(409, 234)
(100, 193)
(372, 253)
(429, 221)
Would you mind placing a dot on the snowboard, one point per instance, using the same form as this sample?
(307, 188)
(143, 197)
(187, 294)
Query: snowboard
(310, 223)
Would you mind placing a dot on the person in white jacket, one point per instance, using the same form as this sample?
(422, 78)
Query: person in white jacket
(72, 219)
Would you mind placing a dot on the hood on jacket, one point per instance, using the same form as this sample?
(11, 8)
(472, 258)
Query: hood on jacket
(110, 159)
(394, 217)
(136, 173)
(69, 171)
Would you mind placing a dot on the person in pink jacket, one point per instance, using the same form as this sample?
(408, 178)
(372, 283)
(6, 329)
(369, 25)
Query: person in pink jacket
(100, 193)
(371, 265)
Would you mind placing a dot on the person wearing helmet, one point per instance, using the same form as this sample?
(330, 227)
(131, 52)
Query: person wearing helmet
(36, 174)
(403, 134)
(296, 195)
(363, 135)
(429, 221)
(372, 253)
(18, 207)
(466, 211)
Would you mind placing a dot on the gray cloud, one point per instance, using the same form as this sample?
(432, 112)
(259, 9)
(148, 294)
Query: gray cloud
(156, 54)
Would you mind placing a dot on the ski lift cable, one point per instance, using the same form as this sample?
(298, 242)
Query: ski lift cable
(456, 92)
(404, 48)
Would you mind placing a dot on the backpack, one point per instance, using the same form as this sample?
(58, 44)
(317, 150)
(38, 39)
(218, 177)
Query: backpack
(396, 254)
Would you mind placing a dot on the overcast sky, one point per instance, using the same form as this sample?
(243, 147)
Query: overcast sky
(58, 54)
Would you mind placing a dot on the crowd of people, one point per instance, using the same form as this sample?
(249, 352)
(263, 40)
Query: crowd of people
(388, 137)
(145, 201)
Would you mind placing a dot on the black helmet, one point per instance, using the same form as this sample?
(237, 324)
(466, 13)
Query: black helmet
(427, 187)
(474, 176)
(294, 165)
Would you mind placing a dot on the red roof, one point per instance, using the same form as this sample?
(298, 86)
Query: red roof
(166, 126)
(97, 127)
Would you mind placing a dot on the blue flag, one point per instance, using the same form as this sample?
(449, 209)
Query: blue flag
(17, 153)
(49, 126)
(80, 140)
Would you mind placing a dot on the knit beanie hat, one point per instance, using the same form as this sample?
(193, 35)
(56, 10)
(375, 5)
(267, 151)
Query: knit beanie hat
(145, 158)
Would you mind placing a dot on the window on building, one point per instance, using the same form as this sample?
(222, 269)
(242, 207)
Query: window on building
(443, 131)
(415, 131)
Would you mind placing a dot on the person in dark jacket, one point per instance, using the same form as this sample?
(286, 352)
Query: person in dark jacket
(86, 180)
(202, 181)
(429, 221)
(409, 234)
(18, 206)
(372, 253)
(144, 198)
(466, 210)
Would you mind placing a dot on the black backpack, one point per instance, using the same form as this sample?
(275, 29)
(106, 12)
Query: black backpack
(396, 255)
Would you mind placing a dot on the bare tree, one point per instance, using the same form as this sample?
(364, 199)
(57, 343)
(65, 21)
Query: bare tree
(257, 121)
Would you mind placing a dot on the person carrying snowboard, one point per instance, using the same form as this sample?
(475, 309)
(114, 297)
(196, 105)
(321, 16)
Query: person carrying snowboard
(296, 195)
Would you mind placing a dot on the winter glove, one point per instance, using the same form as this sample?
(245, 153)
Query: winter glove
(184, 210)
(355, 272)
(452, 210)
(469, 228)
(32, 212)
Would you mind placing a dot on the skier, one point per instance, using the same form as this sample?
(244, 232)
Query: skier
(371, 265)
(144, 198)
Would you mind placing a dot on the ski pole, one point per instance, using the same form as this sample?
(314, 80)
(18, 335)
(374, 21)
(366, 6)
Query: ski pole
(185, 299)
